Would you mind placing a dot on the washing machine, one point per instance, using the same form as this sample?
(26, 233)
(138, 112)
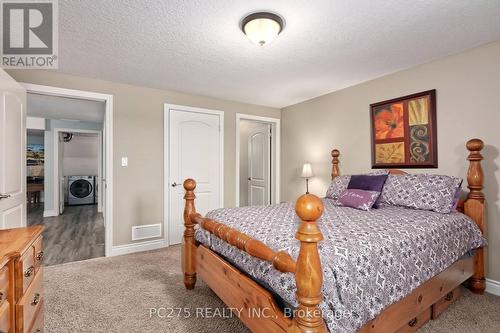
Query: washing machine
(81, 190)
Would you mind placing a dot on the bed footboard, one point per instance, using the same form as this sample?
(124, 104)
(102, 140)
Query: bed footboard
(307, 268)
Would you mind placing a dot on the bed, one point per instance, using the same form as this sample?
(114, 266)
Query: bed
(391, 273)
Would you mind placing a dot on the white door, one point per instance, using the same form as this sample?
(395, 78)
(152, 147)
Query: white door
(62, 187)
(259, 168)
(12, 153)
(195, 151)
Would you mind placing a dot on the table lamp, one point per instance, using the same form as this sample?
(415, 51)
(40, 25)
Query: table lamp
(307, 173)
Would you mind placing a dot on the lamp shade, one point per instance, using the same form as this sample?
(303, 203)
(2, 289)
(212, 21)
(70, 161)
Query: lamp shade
(307, 171)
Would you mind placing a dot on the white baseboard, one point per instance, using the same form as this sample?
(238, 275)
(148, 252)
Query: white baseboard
(119, 250)
(493, 287)
(48, 213)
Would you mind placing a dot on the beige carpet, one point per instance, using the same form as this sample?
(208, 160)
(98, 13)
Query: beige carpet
(116, 295)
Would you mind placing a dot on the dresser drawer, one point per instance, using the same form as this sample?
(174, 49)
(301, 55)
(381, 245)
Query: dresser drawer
(5, 317)
(26, 270)
(29, 305)
(38, 250)
(4, 284)
(37, 326)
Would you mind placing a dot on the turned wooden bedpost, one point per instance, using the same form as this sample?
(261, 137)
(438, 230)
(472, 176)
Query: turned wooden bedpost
(309, 274)
(474, 207)
(335, 163)
(188, 241)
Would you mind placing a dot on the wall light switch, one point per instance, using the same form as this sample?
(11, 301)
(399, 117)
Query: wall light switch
(124, 161)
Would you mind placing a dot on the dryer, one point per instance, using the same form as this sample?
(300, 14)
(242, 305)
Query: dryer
(81, 190)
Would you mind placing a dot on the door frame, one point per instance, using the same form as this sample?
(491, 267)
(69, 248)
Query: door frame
(275, 154)
(166, 158)
(108, 144)
(57, 176)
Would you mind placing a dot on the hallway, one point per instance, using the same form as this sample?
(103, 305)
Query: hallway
(76, 235)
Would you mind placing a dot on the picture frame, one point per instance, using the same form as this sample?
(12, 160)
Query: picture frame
(404, 132)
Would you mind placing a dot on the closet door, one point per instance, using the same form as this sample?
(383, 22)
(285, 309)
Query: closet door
(195, 151)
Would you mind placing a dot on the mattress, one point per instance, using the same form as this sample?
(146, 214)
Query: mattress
(369, 259)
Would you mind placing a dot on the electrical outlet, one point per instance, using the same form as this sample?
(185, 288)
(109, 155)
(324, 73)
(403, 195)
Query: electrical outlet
(124, 161)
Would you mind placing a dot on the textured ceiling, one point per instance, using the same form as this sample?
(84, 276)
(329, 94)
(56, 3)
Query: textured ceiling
(195, 46)
(63, 108)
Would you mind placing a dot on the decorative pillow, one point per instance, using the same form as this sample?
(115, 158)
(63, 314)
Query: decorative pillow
(368, 183)
(359, 199)
(421, 191)
(339, 184)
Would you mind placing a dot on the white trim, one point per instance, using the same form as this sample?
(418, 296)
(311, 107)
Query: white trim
(99, 171)
(493, 287)
(276, 125)
(49, 213)
(35, 123)
(166, 157)
(63, 92)
(119, 250)
(108, 99)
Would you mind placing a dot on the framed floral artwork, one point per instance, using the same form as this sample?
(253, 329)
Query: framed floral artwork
(404, 132)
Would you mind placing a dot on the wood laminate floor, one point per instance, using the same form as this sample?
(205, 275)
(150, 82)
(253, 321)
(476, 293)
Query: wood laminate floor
(76, 235)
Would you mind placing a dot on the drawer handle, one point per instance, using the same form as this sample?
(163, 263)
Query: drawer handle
(36, 299)
(413, 322)
(38, 330)
(1, 299)
(29, 271)
(39, 256)
(449, 296)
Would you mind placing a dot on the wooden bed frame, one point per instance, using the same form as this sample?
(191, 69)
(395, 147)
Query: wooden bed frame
(258, 310)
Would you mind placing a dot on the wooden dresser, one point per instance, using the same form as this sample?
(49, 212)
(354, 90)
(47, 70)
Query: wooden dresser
(21, 277)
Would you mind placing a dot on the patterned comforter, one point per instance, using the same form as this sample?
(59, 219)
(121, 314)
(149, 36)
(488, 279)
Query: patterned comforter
(370, 259)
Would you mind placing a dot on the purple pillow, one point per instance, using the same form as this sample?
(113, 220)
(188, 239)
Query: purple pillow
(339, 184)
(368, 183)
(359, 199)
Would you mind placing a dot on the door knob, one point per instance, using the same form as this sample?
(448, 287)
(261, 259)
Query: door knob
(174, 184)
(249, 178)
(4, 196)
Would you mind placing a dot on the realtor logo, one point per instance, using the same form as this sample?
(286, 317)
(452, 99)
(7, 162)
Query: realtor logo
(29, 34)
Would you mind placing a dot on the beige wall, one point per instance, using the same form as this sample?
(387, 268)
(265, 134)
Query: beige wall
(468, 105)
(138, 134)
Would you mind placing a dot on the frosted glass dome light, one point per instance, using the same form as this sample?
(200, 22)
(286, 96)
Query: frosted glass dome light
(262, 28)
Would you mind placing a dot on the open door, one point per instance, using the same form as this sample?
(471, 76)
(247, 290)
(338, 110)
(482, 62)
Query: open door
(259, 166)
(12, 152)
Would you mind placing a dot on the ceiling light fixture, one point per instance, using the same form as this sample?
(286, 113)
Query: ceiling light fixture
(262, 27)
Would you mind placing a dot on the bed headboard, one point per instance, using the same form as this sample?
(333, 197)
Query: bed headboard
(473, 205)
(475, 175)
(336, 168)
